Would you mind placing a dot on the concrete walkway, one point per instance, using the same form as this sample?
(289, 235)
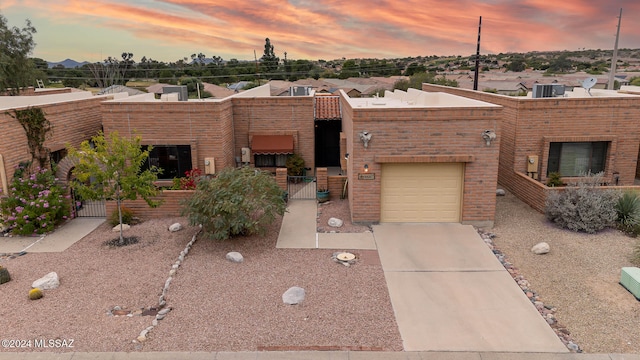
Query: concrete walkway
(61, 239)
(298, 231)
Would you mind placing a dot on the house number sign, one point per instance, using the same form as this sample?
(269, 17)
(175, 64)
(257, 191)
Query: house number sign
(366, 176)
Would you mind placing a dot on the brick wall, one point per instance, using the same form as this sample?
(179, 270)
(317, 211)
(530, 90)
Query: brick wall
(280, 115)
(335, 186)
(529, 125)
(170, 206)
(423, 135)
(206, 126)
(72, 121)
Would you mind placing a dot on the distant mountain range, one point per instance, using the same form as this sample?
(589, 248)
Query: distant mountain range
(68, 63)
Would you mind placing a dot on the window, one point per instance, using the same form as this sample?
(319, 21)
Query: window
(174, 160)
(268, 160)
(577, 158)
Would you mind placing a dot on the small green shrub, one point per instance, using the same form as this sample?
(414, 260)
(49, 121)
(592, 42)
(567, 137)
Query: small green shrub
(127, 216)
(628, 210)
(554, 179)
(295, 165)
(583, 207)
(35, 294)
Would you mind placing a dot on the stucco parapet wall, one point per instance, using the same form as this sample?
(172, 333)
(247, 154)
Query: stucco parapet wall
(424, 158)
(18, 102)
(413, 98)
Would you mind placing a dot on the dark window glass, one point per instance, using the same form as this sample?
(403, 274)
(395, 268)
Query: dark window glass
(577, 158)
(270, 160)
(174, 160)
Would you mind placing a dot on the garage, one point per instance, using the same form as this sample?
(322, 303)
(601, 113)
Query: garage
(421, 192)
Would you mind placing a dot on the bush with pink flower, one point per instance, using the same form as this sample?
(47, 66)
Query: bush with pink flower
(35, 203)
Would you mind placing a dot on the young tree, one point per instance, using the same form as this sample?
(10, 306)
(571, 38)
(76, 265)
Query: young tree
(240, 201)
(111, 168)
(16, 68)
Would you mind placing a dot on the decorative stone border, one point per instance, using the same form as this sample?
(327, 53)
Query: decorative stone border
(162, 302)
(546, 311)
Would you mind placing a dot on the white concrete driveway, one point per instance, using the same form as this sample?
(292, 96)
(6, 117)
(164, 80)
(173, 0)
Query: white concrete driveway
(450, 293)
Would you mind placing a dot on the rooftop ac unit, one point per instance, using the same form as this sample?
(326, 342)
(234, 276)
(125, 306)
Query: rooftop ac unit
(542, 91)
(558, 89)
(182, 92)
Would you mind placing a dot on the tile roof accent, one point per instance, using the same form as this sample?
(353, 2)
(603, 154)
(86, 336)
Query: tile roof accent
(327, 108)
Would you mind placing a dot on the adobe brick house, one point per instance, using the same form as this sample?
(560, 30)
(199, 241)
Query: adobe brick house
(75, 117)
(426, 160)
(568, 135)
(185, 133)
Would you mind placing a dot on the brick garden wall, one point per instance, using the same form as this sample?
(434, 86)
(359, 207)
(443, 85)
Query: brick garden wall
(170, 206)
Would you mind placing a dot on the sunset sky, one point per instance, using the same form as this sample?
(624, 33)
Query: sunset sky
(168, 30)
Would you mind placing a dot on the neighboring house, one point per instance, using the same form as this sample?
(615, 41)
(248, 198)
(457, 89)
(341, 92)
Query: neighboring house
(75, 117)
(426, 160)
(577, 133)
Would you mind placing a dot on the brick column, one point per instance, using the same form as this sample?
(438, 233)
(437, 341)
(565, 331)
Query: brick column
(281, 178)
(321, 178)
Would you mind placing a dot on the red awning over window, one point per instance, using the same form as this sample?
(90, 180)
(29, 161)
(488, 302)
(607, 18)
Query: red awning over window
(272, 144)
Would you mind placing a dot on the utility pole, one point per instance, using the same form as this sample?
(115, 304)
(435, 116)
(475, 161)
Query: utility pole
(614, 59)
(475, 76)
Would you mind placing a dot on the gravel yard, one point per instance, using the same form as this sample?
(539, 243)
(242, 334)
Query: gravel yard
(216, 305)
(579, 276)
(222, 306)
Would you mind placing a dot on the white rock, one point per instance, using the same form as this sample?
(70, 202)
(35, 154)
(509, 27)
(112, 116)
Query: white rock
(175, 227)
(293, 296)
(124, 227)
(541, 248)
(500, 192)
(235, 257)
(49, 281)
(335, 222)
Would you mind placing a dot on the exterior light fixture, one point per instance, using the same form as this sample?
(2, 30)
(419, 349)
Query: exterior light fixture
(346, 156)
(365, 136)
(366, 168)
(488, 136)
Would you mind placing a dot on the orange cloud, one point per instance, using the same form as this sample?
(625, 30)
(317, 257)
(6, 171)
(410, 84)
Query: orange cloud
(331, 29)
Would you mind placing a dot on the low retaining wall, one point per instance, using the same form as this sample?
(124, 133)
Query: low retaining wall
(170, 206)
(535, 193)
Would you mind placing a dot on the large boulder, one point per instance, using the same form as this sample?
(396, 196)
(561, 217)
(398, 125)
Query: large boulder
(235, 257)
(335, 222)
(541, 248)
(175, 227)
(124, 227)
(47, 282)
(293, 296)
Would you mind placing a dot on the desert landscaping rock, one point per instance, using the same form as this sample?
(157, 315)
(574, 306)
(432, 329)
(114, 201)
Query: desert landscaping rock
(293, 296)
(541, 248)
(175, 227)
(124, 228)
(235, 257)
(47, 282)
(335, 222)
(500, 192)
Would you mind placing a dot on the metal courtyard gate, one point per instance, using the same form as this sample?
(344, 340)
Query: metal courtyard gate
(301, 187)
(87, 208)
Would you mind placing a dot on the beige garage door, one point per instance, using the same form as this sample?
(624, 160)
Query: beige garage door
(421, 192)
